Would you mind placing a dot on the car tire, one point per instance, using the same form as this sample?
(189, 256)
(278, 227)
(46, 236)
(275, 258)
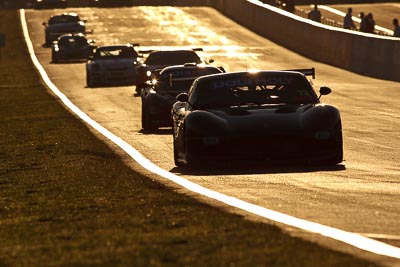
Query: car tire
(54, 59)
(337, 151)
(47, 41)
(191, 161)
(176, 158)
(89, 81)
(138, 89)
(147, 125)
(338, 157)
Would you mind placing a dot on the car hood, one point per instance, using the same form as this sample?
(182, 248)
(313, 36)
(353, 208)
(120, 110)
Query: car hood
(269, 120)
(64, 27)
(261, 119)
(73, 47)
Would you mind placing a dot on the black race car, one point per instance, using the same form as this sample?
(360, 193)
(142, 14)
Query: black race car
(159, 59)
(61, 24)
(72, 47)
(160, 93)
(273, 116)
(112, 64)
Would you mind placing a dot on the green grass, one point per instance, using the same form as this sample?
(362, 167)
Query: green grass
(67, 200)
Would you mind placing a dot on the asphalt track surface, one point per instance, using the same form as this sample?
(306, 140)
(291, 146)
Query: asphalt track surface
(361, 196)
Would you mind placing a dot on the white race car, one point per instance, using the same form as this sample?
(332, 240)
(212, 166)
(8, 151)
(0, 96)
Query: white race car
(112, 64)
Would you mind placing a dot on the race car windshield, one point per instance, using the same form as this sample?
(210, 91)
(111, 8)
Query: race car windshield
(172, 58)
(175, 86)
(182, 79)
(72, 41)
(63, 19)
(115, 53)
(260, 91)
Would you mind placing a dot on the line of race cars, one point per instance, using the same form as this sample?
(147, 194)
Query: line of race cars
(215, 116)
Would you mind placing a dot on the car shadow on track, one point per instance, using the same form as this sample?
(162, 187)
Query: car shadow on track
(245, 169)
(159, 131)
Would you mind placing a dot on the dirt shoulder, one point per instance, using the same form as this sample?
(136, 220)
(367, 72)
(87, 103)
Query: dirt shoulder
(67, 200)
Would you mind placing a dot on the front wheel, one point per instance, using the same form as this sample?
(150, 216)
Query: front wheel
(139, 88)
(338, 151)
(147, 125)
(190, 155)
(54, 58)
(176, 160)
(89, 81)
(338, 157)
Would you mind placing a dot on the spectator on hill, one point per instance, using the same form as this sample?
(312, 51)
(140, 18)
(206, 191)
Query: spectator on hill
(348, 20)
(363, 22)
(315, 14)
(396, 30)
(369, 23)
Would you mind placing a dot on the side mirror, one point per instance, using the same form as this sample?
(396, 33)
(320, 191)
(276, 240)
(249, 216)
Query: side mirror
(182, 97)
(44, 23)
(324, 91)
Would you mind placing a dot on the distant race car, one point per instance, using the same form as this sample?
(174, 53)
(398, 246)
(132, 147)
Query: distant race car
(112, 64)
(72, 47)
(159, 59)
(58, 25)
(49, 3)
(265, 116)
(160, 94)
(112, 3)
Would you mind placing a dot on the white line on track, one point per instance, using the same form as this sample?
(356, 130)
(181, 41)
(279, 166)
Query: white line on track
(353, 239)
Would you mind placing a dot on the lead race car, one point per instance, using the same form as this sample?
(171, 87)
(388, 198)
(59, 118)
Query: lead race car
(160, 93)
(265, 116)
(58, 25)
(112, 64)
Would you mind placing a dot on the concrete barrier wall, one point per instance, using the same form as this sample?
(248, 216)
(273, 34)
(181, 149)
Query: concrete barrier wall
(366, 54)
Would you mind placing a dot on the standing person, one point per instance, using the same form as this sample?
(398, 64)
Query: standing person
(363, 22)
(396, 30)
(315, 14)
(369, 23)
(348, 22)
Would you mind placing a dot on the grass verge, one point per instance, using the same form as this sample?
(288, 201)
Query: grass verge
(67, 200)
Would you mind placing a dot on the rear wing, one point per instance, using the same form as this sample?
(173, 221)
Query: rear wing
(172, 79)
(307, 72)
(148, 51)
